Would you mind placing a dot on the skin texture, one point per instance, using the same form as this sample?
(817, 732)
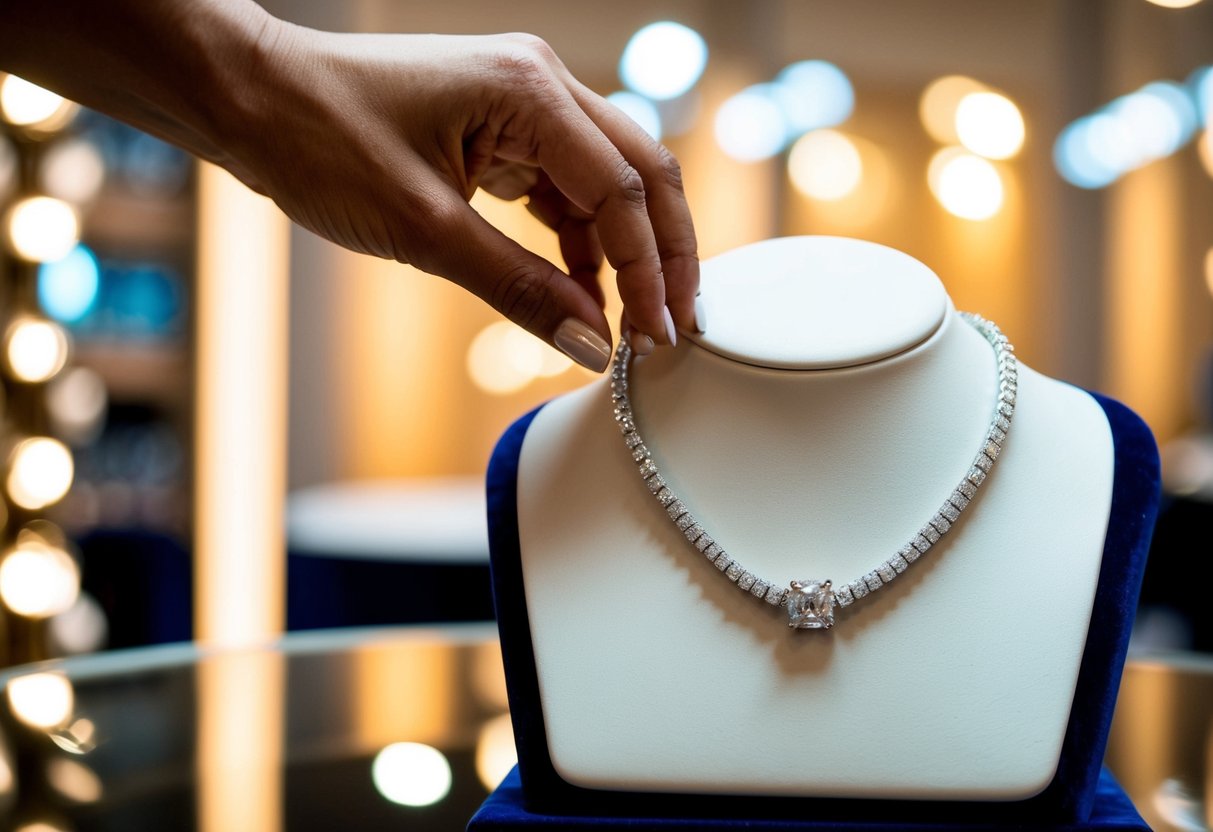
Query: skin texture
(377, 142)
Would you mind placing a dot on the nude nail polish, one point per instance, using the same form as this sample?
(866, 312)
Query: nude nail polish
(578, 340)
(669, 326)
(641, 343)
(701, 316)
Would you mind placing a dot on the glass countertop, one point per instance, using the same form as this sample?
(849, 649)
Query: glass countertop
(402, 728)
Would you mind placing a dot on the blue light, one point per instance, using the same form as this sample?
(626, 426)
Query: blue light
(640, 110)
(1076, 160)
(67, 288)
(750, 126)
(1200, 84)
(663, 60)
(814, 94)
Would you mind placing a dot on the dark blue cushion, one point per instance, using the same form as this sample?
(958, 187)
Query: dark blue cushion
(1070, 797)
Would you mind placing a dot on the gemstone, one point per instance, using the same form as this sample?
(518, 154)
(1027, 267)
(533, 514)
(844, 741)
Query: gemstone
(693, 532)
(759, 589)
(665, 496)
(627, 426)
(723, 562)
(992, 450)
(713, 551)
(704, 541)
(776, 595)
(843, 596)
(810, 605)
(886, 572)
(967, 488)
(858, 588)
(640, 453)
(941, 523)
(997, 436)
(930, 533)
(976, 476)
(734, 571)
(675, 509)
(921, 544)
(909, 553)
(685, 522)
(983, 462)
(632, 440)
(898, 563)
(656, 483)
(1002, 423)
(873, 581)
(746, 580)
(648, 468)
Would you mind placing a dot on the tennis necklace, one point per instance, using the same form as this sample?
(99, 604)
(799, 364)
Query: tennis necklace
(810, 603)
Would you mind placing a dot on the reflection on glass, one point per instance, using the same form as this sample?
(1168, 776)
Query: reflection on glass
(825, 165)
(38, 580)
(74, 780)
(640, 110)
(990, 125)
(495, 752)
(411, 774)
(968, 186)
(37, 349)
(41, 228)
(41, 700)
(40, 472)
(78, 738)
(663, 60)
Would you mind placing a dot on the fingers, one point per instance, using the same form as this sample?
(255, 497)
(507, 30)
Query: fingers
(579, 244)
(522, 286)
(668, 211)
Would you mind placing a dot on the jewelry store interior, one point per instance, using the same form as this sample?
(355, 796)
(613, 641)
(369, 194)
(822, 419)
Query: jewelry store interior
(245, 581)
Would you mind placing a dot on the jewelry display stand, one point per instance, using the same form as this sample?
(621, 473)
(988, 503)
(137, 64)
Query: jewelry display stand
(832, 405)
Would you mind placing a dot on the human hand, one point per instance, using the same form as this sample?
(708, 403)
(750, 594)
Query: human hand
(377, 142)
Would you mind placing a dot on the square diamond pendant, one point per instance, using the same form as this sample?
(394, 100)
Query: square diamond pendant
(810, 605)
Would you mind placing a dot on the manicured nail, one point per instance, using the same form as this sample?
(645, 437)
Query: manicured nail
(701, 316)
(641, 343)
(579, 341)
(669, 326)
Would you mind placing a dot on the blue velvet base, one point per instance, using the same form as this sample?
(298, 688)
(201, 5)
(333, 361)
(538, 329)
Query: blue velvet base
(1112, 811)
(1069, 798)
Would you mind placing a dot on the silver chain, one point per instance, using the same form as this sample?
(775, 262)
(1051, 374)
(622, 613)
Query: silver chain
(813, 601)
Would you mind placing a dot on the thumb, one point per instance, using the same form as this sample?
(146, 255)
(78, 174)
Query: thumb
(521, 285)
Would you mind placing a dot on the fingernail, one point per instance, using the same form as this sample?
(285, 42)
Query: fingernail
(641, 343)
(579, 341)
(669, 326)
(701, 316)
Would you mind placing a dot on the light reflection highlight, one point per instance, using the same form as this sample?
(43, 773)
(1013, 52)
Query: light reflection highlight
(41, 700)
(411, 774)
(495, 752)
(41, 228)
(967, 185)
(29, 105)
(74, 780)
(78, 738)
(750, 125)
(939, 102)
(663, 60)
(825, 165)
(40, 472)
(990, 125)
(38, 580)
(36, 349)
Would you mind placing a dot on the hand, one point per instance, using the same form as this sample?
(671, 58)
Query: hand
(376, 142)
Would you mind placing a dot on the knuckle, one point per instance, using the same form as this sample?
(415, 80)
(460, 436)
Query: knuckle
(527, 62)
(671, 171)
(520, 294)
(628, 183)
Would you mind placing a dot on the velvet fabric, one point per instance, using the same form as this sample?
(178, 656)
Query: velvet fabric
(1072, 795)
(1112, 811)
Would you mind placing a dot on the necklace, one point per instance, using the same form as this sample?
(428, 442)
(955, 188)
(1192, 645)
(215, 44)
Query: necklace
(810, 603)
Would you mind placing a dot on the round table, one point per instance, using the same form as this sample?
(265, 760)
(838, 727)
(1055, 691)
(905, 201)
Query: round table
(394, 728)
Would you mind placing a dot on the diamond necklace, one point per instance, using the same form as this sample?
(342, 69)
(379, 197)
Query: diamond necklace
(810, 602)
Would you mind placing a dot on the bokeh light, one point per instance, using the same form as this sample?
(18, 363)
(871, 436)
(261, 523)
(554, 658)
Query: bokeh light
(41, 700)
(78, 738)
(825, 165)
(640, 110)
(81, 628)
(814, 94)
(495, 752)
(74, 780)
(38, 580)
(750, 125)
(40, 472)
(965, 184)
(1209, 271)
(503, 359)
(663, 60)
(990, 125)
(1200, 86)
(35, 349)
(411, 774)
(1174, 4)
(76, 401)
(8, 167)
(939, 102)
(67, 287)
(1205, 150)
(29, 105)
(72, 170)
(42, 228)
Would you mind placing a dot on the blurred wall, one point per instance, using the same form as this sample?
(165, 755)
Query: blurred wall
(1101, 288)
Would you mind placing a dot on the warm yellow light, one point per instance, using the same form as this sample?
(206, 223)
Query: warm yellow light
(1175, 4)
(40, 472)
(37, 349)
(967, 186)
(41, 700)
(77, 401)
(40, 826)
(504, 358)
(72, 170)
(38, 581)
(411, 774)
(74, 780)
(825, 165)
(29, 105)
(990, 125)
(41, 228)
(78, 738)
(937, 107)
(495, 752)
(1209, 270)
(1205, 148)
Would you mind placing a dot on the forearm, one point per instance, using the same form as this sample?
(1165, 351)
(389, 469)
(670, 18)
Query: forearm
(180, 69)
